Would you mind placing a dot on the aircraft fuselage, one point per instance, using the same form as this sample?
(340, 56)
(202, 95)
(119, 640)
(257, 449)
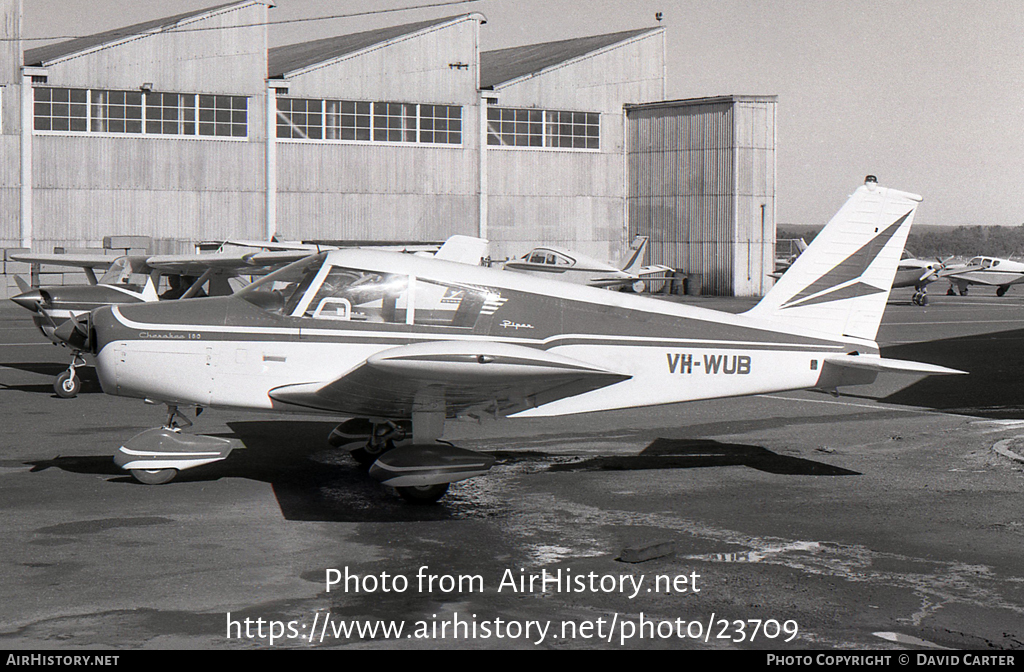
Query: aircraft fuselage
(229, 352)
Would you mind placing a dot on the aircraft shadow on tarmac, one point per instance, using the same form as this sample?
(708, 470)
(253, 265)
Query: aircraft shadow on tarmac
(311, 480)
(695, 453)
(994, 362)
(314, 482)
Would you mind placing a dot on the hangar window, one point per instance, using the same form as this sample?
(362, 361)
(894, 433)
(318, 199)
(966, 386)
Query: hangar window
(348, 120)
(441, 123)
(364, 121)
(299, 118)
(224, 116)
(394, 122)
(171, 113)
(139, 112)
(552, 129)
(61, 109)
(116, 112)
(578, 130)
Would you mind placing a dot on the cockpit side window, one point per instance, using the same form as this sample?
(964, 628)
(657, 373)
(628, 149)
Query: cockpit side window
(452, 305)
(280, 291)
(360, 296)
(537, 258)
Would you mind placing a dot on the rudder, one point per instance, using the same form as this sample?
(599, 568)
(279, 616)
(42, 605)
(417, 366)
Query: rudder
(840, 284)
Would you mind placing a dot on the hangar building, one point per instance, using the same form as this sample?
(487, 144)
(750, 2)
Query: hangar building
(190, 128)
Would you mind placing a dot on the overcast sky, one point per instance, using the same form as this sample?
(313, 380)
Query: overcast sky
(926, 94)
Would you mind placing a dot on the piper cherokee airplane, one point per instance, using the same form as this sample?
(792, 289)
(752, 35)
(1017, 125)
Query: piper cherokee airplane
(991, 271)
(572, 266)
(135, 279)
(400, 344)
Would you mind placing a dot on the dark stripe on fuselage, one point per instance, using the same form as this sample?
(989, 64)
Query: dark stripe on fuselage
(554, 322)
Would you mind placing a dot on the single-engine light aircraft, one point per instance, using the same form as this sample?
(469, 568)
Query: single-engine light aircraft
(569, 266)
(917, 273)
(991, 271)
(401, 344)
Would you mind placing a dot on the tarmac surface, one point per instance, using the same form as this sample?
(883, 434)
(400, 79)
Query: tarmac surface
(889, 517)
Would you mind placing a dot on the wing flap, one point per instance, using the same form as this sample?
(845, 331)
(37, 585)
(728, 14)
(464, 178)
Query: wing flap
(500, 377)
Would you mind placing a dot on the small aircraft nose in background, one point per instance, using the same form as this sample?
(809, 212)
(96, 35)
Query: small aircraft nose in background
(32, 300)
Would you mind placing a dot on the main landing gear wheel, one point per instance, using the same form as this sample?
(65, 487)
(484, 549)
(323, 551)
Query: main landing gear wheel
(639, 286)
(67, 385)
(423, 494)
(369, 453)
(154, 476)
(1001, 290)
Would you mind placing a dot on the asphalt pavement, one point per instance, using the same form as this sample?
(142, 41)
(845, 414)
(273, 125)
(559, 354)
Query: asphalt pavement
(888, 517)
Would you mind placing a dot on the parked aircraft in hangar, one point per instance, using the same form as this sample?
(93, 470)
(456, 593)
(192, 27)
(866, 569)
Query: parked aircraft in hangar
(402, 344)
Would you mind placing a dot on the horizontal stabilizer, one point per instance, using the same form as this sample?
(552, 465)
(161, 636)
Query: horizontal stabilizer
(890, 365)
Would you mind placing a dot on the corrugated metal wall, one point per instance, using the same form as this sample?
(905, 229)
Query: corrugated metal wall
(379, 191)
(10, 126)
(172, 189)
(699, 187)
(574, 199)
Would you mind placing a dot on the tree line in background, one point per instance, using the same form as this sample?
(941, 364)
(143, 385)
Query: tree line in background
(942, 242)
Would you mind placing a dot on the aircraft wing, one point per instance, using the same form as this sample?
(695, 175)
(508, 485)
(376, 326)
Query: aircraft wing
(455, 376)
(977, 275)
(229, 263)
(102, 261)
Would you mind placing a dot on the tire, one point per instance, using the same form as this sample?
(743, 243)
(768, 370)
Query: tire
(423, 494)
(154, 476)
(924, 300)
(367, 456)
(67, 385)
(639, 286)
(1001, 290)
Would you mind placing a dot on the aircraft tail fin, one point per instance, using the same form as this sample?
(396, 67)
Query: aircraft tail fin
(634, 257)
(840, 284)
(464, 250)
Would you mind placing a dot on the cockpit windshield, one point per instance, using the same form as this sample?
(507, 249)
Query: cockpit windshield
(317, 290)
(120, 273)
(280, 291)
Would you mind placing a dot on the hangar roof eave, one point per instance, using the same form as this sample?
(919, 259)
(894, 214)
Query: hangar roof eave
(52, 53)
(502, 67)
(296, 59)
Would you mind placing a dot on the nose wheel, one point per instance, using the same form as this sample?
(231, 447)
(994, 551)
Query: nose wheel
(69, 383)
(920, 298)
